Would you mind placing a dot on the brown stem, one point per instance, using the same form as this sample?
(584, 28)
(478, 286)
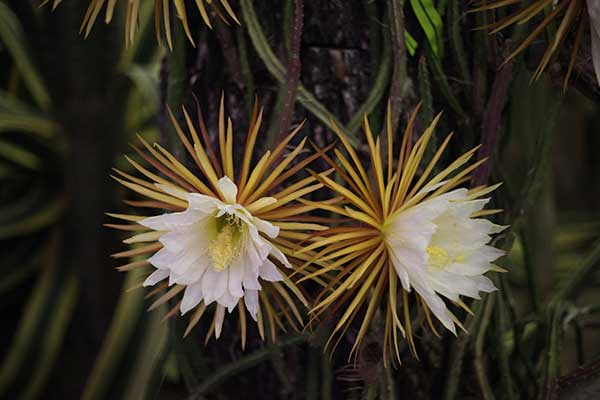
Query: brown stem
(399, 82)
(492, 122)
(293, 70)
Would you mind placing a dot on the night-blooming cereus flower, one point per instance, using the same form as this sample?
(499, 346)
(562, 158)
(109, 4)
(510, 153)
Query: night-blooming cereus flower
(227, 237)
(411, 235)
(439, 249)
(162, 15)
(571, 19)
(215, 248)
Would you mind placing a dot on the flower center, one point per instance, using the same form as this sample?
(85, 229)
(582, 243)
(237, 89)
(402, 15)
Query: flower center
(439, 258)
(225, 247)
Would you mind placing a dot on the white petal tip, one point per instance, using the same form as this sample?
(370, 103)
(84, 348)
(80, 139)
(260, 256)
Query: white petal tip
(228, 189)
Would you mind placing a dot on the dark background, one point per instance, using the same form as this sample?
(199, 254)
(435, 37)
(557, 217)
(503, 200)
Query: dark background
(70, 328)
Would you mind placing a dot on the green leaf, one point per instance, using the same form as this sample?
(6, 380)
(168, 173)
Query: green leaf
(10, 103)
(426, 95)
(146, 374)
(431, 22)
(15, 277)
(19, 155)
(442, 80)
(7, 170)
(457, 40)
(411, 43)
(28, 122)
(15, 115)
(581, 276)
(13, 38)
(43, 215)
(52, 339)
(145, 79)
(22, 203)
(119, 337)
(144, 99)
(34, 313)
(21, 262)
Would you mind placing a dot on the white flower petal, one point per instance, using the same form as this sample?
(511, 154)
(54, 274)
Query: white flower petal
(228, 189)
(261, 245)
(245, 267)
(468, 268)
(191, 298)
(186, 260)
(201, 203)
(484, 284)
(162, 259)
(251, 302)
(219, 316)
(268, 271)
(486, 254)
(414, 227)
(430, 188)
(175, 241)
(229, 301)
(170, 221)
(214, 284)
(236, 276)
(267, 228)
(279, 256)
(199, 235)
(252, 256)
(452, 286)
(250, 279)
(456, 194)
(192, 275)
(438, 308)
(409, 234)
(235, 209)
(434, 303)
(401, 269)
(156, 277)
(464, 209)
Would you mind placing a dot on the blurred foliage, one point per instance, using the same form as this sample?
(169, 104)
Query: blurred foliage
(67, 110)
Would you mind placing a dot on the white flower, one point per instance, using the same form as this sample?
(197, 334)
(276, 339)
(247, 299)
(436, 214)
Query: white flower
(438, 249)
(216, 250)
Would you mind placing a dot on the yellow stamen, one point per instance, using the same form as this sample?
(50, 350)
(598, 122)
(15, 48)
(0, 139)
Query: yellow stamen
(224, 247)
(439, 257)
